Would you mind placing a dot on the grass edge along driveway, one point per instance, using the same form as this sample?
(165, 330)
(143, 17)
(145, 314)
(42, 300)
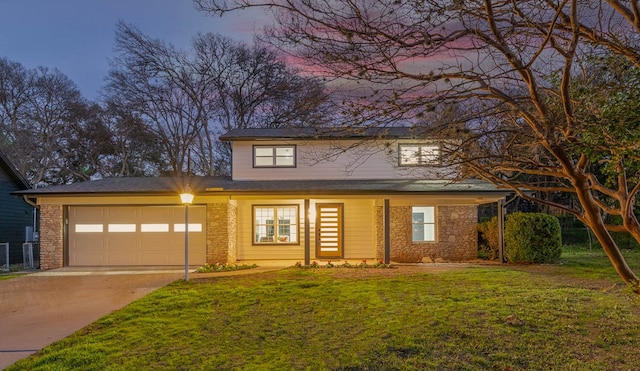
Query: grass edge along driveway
(573, 315)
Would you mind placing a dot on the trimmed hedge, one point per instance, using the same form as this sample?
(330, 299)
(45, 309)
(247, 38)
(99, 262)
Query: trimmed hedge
(532, 238)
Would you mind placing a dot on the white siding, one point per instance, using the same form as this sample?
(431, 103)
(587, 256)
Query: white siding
(345, 159)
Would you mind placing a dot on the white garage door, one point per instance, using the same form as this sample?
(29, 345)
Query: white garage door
(135, 235)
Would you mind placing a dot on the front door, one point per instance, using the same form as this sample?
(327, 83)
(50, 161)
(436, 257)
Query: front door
(329, 241)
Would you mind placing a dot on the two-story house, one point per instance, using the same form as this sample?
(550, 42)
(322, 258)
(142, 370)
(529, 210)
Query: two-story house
(294, 194)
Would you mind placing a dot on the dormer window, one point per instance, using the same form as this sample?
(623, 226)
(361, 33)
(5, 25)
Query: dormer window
(419, 154)
(274, 156)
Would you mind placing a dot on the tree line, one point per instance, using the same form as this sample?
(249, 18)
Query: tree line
(160, 111)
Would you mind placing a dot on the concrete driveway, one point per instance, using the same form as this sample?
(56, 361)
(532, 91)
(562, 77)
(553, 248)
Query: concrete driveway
(39, 309)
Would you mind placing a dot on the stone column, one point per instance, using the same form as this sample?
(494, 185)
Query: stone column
(51, 237)
(221, 232)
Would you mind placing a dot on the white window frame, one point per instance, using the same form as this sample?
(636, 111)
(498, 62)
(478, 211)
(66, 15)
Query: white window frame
(425, 226)
(277, 157)
(418, 154)
(260, 237)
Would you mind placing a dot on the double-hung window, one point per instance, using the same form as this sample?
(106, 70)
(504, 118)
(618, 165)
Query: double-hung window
(419, 154)
(275, 224)
(274, 156)
(423, 220)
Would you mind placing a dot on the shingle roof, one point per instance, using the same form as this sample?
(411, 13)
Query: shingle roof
(397, 132)
(224, 185)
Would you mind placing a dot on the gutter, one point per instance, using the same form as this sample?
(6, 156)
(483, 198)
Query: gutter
(26, 199)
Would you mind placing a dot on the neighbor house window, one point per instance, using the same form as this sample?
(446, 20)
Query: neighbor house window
(423, 223)
(275, 224)
(419, 154)
(274, 156)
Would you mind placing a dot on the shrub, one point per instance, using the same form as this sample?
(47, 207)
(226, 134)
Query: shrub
(532, 238)
(226, 267)
(488, 239)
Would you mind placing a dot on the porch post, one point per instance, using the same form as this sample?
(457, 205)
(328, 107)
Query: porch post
(307, 233)
(501, 230)
(387, 231)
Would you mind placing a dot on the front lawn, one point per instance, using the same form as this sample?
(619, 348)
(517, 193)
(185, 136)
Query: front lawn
(561, 317)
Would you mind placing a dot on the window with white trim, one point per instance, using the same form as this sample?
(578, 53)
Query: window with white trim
(423, 224)
(419, 154)
(275, 224)
(274, 156)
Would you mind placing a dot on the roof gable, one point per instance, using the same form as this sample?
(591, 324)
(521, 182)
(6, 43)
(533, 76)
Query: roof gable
(7, 166)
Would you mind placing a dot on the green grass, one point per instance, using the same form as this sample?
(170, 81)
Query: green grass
(6, 276)
(570, 316)
(593, 262)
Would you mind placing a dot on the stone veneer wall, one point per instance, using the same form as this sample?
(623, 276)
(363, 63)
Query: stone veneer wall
(221, 233)
(51, 237)
(457, 237)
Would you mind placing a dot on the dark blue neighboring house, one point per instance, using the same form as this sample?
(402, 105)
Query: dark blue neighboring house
(16, 216)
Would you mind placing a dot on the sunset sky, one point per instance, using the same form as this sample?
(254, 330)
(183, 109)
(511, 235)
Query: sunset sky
(77, 36)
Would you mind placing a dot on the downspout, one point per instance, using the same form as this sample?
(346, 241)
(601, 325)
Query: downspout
(35, 206)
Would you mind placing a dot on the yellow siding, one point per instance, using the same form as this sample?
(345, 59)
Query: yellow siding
(358, 230)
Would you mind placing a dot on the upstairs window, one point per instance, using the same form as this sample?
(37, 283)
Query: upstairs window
(274, 156)
(419, 154)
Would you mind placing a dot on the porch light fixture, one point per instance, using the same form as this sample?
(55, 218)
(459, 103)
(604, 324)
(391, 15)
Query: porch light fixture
(186, 197)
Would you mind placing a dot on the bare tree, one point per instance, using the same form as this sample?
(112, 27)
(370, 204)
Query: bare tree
(36, 107)
(135, 148)
(15, 85)
(190, 97)
(513, 66)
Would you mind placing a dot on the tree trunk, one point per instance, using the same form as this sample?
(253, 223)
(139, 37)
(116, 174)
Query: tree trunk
(599, 229)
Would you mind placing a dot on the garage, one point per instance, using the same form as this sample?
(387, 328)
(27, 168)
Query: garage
(134, 235)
